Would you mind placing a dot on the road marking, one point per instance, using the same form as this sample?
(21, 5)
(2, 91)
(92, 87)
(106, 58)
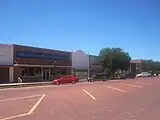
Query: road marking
(132, 85)
(115, 80)
(115, 88)
(17, 98)
(143, 83)
(109, 110)
(89, 94)
(35, 106)
(16, 116)
(26, 88)
(31, 110)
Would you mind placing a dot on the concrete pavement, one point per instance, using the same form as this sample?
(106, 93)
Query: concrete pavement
(137, 99)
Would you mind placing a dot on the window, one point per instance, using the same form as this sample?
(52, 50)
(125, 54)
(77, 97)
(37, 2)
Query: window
(24, 72)
(67, 77)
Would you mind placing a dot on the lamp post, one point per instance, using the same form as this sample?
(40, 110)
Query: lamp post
(88, 66)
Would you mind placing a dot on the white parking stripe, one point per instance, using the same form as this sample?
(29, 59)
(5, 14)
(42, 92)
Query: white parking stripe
(25, 114)
(16, 116)
(35, 106)
(121, 90)
(89, 94)
(132, 85)
(17, 98)
(143, 83)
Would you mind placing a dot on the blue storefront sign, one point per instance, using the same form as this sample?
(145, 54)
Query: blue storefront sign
(41, 56)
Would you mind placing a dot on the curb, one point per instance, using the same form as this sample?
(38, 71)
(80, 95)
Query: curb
(15, 85)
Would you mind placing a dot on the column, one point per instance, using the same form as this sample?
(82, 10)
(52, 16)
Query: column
(11, 74)
(42, 72)
(49, 73)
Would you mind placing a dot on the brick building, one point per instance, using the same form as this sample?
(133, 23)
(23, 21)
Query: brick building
(136, 65)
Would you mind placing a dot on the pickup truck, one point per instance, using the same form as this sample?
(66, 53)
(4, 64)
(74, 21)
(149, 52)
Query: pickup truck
(143, 74)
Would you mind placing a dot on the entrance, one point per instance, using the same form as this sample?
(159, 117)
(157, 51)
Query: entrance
(46, 74)
(4, 73)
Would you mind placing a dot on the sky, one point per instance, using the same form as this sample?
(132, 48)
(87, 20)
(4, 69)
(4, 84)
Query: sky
(87, 25)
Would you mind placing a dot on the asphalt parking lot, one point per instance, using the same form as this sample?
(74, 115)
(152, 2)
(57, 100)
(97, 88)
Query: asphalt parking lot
(137, 99)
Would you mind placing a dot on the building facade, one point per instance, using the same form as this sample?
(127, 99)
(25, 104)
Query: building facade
(95, 65)
(6, 63)
(37, 64)
(80, 64)
(85, 65)
(136, 66)
(32, 64)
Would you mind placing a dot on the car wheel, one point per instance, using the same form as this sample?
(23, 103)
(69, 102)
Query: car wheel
(73, 82)
(57, 83)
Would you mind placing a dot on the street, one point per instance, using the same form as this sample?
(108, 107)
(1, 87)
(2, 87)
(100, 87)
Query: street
(137, 99)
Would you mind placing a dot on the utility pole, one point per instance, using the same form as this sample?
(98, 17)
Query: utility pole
(88, 65)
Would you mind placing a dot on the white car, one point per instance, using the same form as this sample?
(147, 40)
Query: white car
(143, 74)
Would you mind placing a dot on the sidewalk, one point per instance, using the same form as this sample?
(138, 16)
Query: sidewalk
(13, 85)
(23, 84)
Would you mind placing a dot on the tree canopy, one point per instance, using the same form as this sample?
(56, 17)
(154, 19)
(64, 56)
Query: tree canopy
(114, 59)
(150, 65)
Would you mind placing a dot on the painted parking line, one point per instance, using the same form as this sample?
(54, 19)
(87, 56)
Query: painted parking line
(26, 88)
(117, 89)
(35, 106)
(89, 94)
(143, 83)
(132, 85)
(17, 98)
(16, 116)
(26, 114)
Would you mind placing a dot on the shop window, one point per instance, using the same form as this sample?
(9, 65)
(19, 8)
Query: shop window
(37, 71)
(63, 72)
(24, 72)
(52, 71)
(31, 71)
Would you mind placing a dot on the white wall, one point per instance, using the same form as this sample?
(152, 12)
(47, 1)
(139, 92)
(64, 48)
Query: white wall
(80, 60)
(6, 54)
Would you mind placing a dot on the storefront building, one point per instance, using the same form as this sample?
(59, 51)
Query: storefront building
(6, 63)
(80, 64)
(85, 65)
(33, 64)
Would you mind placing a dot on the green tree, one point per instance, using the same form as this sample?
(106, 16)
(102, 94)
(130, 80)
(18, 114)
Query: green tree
(113, 59)
(150, 65)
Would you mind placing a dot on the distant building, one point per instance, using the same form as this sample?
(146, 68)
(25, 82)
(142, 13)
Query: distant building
(136, 65)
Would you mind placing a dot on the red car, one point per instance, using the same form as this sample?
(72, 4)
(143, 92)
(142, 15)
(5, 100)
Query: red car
(65, 79)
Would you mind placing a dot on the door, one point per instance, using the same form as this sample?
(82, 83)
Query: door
(66, 79)
(46, 75)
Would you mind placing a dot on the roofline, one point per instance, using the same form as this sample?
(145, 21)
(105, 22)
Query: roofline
(41, 48)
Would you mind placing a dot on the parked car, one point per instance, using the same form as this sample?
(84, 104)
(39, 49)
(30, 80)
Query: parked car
(144, 74)
(98, 77)
(65, 79)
